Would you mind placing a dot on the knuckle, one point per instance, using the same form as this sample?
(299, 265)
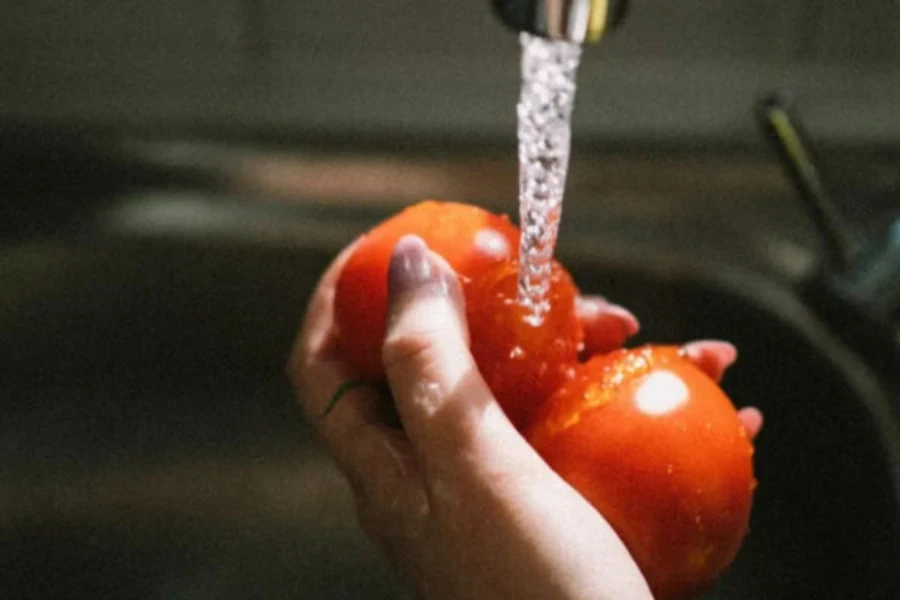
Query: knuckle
(409, 350)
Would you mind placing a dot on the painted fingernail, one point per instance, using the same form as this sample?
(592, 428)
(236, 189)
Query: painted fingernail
(752, 420)
(411, 267)
(625, 317)
(597, 308)
(416, 274)
(416, 270)
(712, 356)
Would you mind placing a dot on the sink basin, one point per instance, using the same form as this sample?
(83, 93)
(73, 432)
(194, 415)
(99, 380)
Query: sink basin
(151, 448)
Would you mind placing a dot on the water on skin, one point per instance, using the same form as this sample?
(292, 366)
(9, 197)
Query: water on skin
(544, 115)
(428, 396)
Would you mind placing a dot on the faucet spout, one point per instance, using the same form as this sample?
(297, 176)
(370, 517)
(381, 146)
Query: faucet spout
(579, 21)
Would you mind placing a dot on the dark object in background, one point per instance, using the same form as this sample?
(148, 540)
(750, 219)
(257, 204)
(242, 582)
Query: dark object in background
(56, 178)
(857, 287)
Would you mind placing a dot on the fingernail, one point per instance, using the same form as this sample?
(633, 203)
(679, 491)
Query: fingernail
(416, 270)
(752, 420)
(626, 318)
(595, 307)
(411, 267)
(711, 356)
(725, 352)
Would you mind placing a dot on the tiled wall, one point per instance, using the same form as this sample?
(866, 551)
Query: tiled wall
(689, 67)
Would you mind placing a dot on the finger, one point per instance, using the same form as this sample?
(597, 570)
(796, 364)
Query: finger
(606, 326)
(713, 357)
(317, 329)
(752, 419)
(374, 457)
(445, 405)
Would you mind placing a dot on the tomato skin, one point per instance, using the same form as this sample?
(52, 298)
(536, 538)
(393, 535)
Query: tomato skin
(658, 449)
(469, 238)
(522, 363)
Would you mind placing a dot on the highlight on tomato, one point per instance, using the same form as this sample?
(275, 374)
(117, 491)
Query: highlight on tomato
(469, 238)
(658, 448)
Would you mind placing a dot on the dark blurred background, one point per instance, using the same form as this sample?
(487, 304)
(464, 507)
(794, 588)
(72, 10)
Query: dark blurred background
(176, 174)
(403, 67)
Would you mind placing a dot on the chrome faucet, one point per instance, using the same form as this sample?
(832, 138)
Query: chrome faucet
(860, 265)
(579, 21)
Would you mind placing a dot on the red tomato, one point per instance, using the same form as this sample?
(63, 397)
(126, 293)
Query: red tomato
(469, 238)
(522, 363)
(657, 448)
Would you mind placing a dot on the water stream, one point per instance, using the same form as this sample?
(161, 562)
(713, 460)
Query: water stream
(544, 113)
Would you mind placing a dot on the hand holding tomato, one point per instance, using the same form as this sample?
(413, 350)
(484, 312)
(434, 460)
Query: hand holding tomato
(458, 500)
(469, 238)
(566, 427)
(522, 363)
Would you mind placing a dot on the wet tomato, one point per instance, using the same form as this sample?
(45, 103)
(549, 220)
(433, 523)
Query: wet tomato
(522, 362)
(657, 447)
(469, 238)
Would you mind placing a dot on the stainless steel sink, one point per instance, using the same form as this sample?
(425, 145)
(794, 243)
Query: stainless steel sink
(151, 449)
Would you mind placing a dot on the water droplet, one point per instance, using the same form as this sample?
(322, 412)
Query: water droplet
(492, 243)
(428, 395)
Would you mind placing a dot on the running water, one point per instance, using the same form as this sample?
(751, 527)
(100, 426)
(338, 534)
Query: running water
(545, 110)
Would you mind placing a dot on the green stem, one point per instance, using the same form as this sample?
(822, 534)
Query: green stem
(349, 386)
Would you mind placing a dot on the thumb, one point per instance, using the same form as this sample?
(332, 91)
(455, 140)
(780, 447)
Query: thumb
(446, 407)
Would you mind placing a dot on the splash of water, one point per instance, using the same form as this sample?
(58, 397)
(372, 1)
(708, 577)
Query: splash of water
(544, 111)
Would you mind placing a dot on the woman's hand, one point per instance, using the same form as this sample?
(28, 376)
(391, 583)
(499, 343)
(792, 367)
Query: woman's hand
(456, 497)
